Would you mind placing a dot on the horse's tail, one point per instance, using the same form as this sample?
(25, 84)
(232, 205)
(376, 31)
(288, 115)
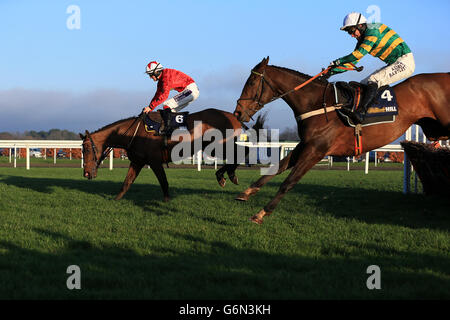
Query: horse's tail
(260, 122)
(255, 133)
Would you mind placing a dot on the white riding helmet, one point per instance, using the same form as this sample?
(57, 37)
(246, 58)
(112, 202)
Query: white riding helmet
(353, 19)
(154, 67)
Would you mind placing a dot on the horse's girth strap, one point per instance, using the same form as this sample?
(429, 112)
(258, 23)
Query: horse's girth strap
(317, 112)
(358, 140)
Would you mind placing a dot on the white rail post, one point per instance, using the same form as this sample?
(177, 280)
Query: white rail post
(367, 163)
(28, 157)
(199, 160)
(348, 163)
(111, 157)
(15, 156)
(54, 156)
(10, 155)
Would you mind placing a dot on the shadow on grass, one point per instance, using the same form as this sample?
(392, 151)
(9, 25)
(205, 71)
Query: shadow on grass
(147, 195)
(373, 206)
(218, 271)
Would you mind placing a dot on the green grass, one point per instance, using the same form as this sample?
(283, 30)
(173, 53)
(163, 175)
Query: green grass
(200, 245)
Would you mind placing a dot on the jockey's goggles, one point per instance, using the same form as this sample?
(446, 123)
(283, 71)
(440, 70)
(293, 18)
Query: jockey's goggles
(351, 30)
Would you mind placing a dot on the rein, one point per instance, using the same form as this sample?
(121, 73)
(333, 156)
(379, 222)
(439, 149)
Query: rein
(257, 98)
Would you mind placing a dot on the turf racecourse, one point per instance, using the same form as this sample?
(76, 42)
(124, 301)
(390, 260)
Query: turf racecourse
(318, 244)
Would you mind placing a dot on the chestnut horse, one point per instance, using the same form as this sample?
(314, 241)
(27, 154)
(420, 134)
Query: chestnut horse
(145, 148)
(423, 99)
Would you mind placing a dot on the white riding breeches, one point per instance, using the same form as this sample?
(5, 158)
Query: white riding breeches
(399, 70)
(182, 99)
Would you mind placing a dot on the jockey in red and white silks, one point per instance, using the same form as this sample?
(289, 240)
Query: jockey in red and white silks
(171, 79)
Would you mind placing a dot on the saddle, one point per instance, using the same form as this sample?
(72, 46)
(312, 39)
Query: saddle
(154, 122)
(382, 109)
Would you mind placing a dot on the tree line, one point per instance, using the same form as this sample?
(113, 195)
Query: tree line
(52, 134)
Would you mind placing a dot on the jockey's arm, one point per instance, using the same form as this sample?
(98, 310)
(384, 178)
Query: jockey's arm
(161, 95)
(355, 56)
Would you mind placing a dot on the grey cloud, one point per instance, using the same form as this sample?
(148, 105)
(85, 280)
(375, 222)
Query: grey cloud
(24, 109)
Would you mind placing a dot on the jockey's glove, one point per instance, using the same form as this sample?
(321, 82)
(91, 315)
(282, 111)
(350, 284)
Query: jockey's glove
(335, 63)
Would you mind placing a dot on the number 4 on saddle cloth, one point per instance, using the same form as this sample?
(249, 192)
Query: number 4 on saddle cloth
(382, 109)
(154, 122)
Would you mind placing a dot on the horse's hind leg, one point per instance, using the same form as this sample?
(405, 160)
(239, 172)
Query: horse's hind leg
(220, 175)
(231, 171)
(286, 163)
(306, 159)
(159, 172)
(133, 172)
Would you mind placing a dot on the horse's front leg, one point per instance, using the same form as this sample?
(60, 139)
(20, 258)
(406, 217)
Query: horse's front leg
(159, 172)
(308, 156)
(133, 172)
(284, 164)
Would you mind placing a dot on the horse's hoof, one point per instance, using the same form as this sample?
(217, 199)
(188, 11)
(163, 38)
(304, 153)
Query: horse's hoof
(256, 220)
(235, 180)
(222, 182)
(242, 197)
(166, 199)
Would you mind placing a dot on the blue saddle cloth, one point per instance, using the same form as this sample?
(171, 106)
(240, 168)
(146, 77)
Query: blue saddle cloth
(153, 121)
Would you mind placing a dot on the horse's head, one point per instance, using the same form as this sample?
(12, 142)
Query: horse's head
(91, 156)
(255, 94)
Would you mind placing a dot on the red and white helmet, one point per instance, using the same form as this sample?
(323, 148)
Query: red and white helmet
(154, 67)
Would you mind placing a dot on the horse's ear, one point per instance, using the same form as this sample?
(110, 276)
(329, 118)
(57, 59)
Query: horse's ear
(265, 61)
(81, 136)
(87, 133)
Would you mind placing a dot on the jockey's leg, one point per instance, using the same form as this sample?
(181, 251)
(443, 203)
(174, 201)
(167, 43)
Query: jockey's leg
(371, 92)
(399, 70)
(181, 100)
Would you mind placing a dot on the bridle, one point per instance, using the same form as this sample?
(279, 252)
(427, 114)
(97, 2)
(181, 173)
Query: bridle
(109, 149)
(94, 150)
(257, 98)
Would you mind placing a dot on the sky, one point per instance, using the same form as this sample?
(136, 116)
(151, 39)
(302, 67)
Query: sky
(84, 68)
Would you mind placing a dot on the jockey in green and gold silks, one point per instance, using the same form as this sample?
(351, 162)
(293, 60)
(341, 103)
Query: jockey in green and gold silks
(379, 41)
(382, 42)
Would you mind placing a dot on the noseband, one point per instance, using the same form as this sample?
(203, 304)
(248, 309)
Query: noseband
(94, 150)
(257, 98)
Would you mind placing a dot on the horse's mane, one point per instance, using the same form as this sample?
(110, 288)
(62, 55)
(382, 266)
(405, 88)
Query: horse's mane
(113, 124)
(301, 74)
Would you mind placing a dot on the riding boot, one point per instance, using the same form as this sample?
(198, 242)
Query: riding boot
(166, 115)
(369, 95)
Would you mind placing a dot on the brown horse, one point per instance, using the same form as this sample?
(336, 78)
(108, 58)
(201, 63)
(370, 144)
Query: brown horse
(423, 99)
(145, 148)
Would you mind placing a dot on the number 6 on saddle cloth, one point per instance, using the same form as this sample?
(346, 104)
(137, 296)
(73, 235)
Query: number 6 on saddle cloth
(154, 122)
